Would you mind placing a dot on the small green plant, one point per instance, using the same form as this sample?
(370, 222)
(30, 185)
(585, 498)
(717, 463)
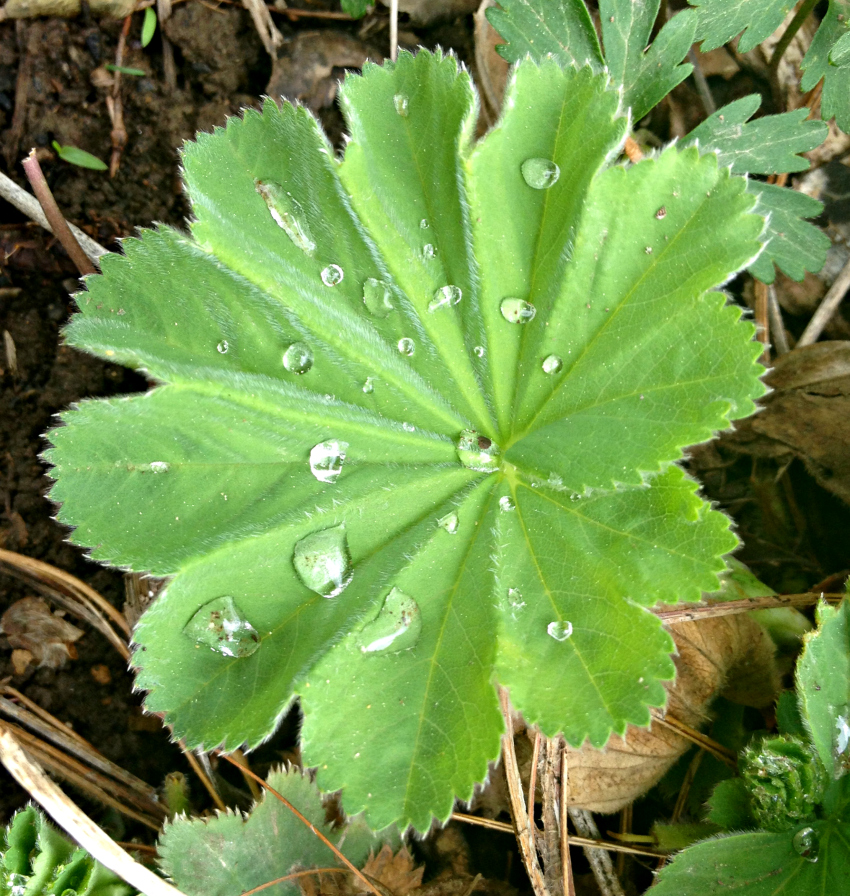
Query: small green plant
(148, 26)
(76, 156)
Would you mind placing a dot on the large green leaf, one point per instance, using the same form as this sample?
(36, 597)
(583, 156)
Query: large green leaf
(828, 58)
(720, 20)
(450, 566)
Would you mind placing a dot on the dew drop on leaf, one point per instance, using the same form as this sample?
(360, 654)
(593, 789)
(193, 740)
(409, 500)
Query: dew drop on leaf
(158, 466)
(323, 562)
(221, 626)
(516, 601)
(841, 750)
(444, 297)
(477, 452)
(406, 346)
(806, 843)
(402, 103)
(408, 427)
(552, 364)
(517, 311)
(423, 224)
(560, 631)
(429, 250)
(449, 522)
(16, 884)
(376, 298)
(369, 385)
(298, 358)
(506, 504)
(222, 347)
(540, 173)
(288, 214)
(396, 627)
(479, 351)
(327, 458)
(332, 274)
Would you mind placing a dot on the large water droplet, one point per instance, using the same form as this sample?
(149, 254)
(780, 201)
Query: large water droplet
(402, 103)
(552, 364)
(429, 250)
(423, 224)
(323, 562)
(449, 522)
(221, 626)
(332, 274)
(406, 346)
(369, 385)
(376, 298)
(506, 504)
(540, 173)
(158, 466)
(16, 884)
(327, 458)
(298, 358)
(477, 452)
(517, 311)
(222, 347)
(445, 297)
(841, 749)
(560, 631)
(806, 843)
(288, 214)
(396, 627)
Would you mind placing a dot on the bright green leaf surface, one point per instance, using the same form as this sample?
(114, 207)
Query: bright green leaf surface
(148, 26)
(229, 854)
(448, 578)
(720, 20)
(79, 157)
(819, 63)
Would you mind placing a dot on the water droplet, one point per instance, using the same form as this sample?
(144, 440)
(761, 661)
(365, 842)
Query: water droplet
(221, 626)
(369, 385)
(841, 749)
(298, 358)
(552, 364)
(376, 298)
(323, 562)
(288, 214)
(332, 274)
(429, 250)
(506, 503)
(560, 631)
(327, 458)
(445, 296)
(477, 452)
(402, 102)
(648, 250)
(540, 173)
(222, 347)
(555, 481)
(406, 346)
(158, 466)
(396, 627)
(423, 224)
(16, 883)
(449, 522)
(408, 427)
(806, 843)
(517, 311)
(516, 601)
(479, 351)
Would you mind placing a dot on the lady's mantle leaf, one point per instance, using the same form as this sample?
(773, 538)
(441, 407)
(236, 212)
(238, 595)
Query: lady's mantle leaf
(328, 338)
(720, 20)
(828, 58)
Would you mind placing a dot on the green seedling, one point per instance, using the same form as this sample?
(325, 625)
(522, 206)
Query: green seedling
(79, 157)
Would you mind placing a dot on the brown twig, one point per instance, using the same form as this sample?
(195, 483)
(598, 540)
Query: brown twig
(600, 861)
(778, 336)
(828, 307)
(762, 320)
(550, 842)
(203, 777)
(713, 609)
(169, 68)
(114, 104)
(294, 876)
(725, 755)
(532, 777)
(256, 790)
(566, 863)
(19, 116)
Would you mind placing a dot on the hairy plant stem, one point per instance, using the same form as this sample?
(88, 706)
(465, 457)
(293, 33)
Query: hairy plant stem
(790, 33)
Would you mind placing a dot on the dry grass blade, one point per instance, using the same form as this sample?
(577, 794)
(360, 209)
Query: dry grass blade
(294, 876)
(566, 864)
(694, 612)
(726, 756)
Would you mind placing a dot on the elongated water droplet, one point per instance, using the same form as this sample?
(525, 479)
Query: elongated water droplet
(560, 631)
(402, 102)
(806, 843)
(323, 562)
(552, 364)
(288, 214)
(158, 466)
(298, 358)
(396, 627)
(445, 297)
(429, 250)
(408, 427)
(369, 385)
(376, 298)
(332, 274)
(221, 626)
(423, 224)
(449, 522)
(841, 750)
(477, 452)
(506, 503)
(327, 458)
(517, 311)
(540, 173)
(479, 351)
(222, 347)
(406, 346)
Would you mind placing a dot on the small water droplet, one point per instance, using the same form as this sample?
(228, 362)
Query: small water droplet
(323, 562)
(406, 346)
(555, 481)
(222, 347)
(288, 214)
(327, 458)
(221, 626)
(479, 351)
(402, 103)
(560, 631)
(376, 298)
(477, 452)
(449, 522)
(552, 364)
(506, 503)
(429, 250)
(806, 843)
(332, 274)
(445, 296)
(369, 385)
(517, 311)
(841, 749)
(298, 358)
(158, 466)
(396, 627)
(648, 250)
(423, 224)
(516, 601)
(540, 173)
(408, 427)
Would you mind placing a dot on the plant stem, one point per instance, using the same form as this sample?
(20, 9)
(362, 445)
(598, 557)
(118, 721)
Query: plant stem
(790, 33)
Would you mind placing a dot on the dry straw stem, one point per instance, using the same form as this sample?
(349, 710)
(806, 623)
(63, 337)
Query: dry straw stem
(827, 308)
(78, 825)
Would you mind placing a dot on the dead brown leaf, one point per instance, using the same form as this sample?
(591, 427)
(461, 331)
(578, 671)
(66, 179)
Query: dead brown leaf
(30, 625)
(492, 68)
(398, 873)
